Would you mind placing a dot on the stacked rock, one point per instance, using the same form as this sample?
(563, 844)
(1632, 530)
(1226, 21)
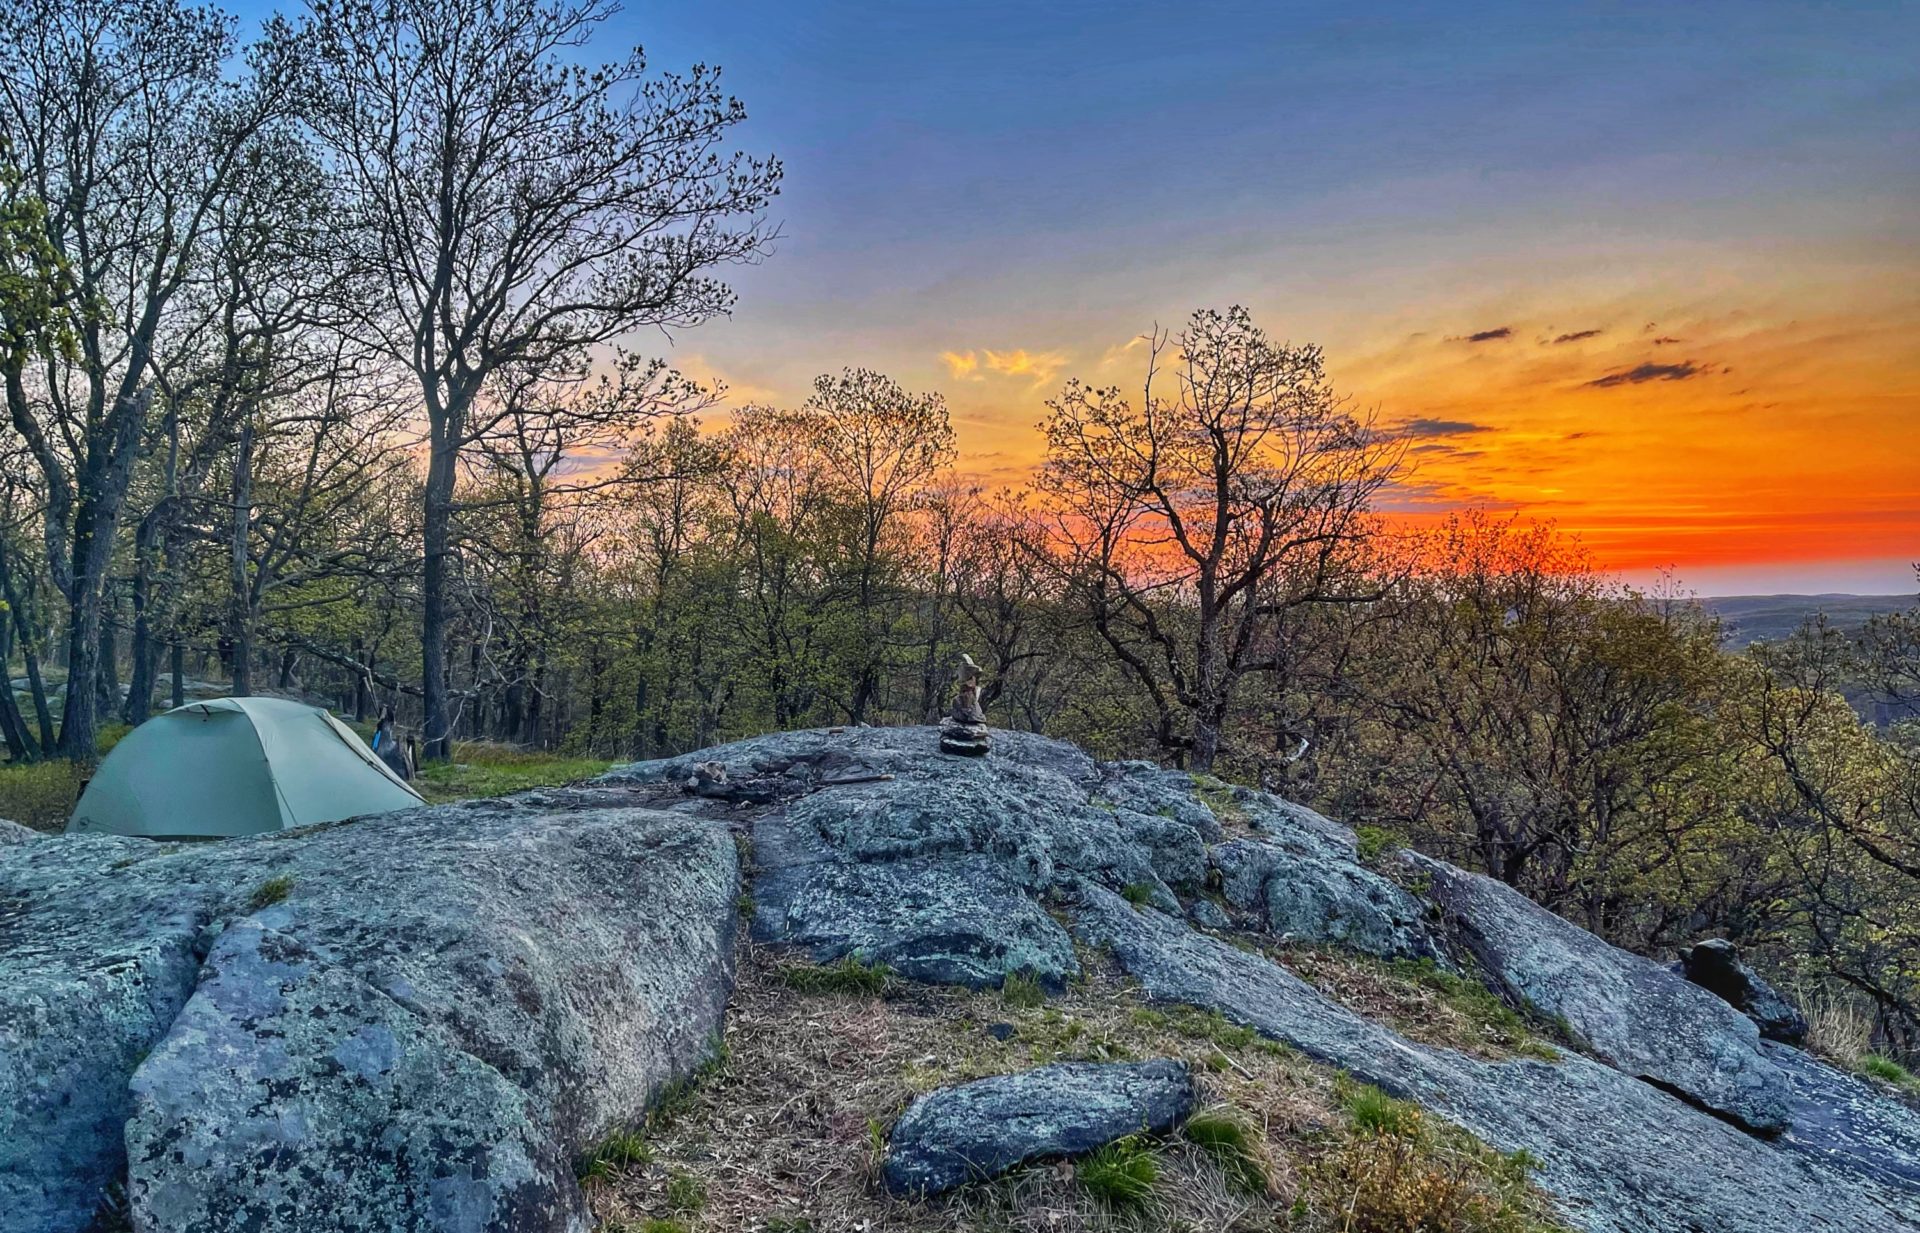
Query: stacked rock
(965, 729)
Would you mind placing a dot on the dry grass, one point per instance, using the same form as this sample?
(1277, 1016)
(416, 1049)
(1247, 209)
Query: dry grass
(1422, 1003)
(789, 1133)
(1837, 1029)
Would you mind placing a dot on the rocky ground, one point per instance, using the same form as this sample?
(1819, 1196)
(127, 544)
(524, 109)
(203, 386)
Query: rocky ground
(445, 1019)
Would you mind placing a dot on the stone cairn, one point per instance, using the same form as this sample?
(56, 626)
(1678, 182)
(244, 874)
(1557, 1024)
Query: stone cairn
(965, 729)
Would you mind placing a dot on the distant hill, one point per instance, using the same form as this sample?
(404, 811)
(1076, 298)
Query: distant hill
(1754, 618)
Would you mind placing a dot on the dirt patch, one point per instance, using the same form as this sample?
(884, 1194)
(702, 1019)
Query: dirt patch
(787, 1130)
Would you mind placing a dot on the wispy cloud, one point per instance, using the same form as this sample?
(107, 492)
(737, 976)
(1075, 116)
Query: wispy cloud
(961, 365)
(1648, 372)
(1120, 351)
(1039, 367)
(1423, 429)
(1576, 336)
(1665, 340)
(1504, 331)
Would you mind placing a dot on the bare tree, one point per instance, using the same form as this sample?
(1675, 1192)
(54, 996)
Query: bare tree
(549, 447)
(121, 120)
(520, 209)
(882, 446)
(1186, 525)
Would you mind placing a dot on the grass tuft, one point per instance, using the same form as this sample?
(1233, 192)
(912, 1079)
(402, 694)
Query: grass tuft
(1376, 1113)
(1121, 1174)
(1022, 992)
(620, 1150)
(1139, 894)
(1233, 1144)
(270, 892)
(849, 975)
(1881, 1067)
(1218, 796)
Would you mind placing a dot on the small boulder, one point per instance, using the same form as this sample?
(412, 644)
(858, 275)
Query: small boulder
(981, 1129)
(1715, 965)
(13, 832)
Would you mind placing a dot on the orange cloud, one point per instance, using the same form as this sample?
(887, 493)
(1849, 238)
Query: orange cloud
(1039, 367)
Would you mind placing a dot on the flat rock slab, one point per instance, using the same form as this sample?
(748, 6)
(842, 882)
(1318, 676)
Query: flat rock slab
(1630, 1011)
(1848, 1122)
(981, 1129)
(1620, 1155)
(415, 1021)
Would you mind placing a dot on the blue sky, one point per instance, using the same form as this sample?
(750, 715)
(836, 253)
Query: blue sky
(984, 199)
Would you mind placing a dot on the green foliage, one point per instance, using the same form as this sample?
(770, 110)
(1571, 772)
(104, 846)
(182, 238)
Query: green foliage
(1121, 1174)
(849, 975)
(1139, 894)
(1372, 1111)
(620, 1150)
(1234, 1145)
(270, 892)
(40, 794)
(1373, 842)
(1887, 1070)
(480, 769)
(1022, 991)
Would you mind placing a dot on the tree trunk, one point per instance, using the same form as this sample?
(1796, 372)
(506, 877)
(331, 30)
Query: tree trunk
(107, 691)
(23, 635)
(178, 654)
(103, 490)
(239, 590)
(21, 746)
(437, 537)
(361, 695)
(140, 685)
(79, 720)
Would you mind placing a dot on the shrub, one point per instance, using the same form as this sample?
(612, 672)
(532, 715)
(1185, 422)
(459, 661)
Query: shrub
(1233, 1145)
(848, 975)
(1139, 894)
(1121, 1174)
(1387, 1184)
(270, 892)
(40, 794)
(1022, 991)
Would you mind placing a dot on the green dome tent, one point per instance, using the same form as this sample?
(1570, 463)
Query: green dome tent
(236, 766)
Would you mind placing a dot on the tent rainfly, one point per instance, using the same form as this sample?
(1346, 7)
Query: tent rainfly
(236, 766)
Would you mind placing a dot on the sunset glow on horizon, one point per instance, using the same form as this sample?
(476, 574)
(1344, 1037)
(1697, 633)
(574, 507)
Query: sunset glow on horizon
(1647, 271)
